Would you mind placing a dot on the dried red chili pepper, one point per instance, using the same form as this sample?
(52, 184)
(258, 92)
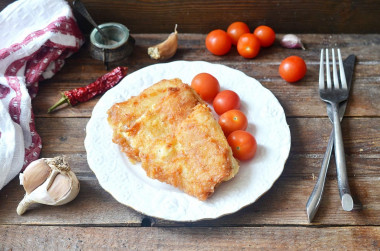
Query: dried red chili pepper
(101, 85)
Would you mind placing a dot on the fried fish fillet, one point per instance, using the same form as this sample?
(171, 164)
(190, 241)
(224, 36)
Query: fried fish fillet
(175, 136)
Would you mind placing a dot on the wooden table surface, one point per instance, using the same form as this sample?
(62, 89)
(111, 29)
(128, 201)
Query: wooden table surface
(277, 220)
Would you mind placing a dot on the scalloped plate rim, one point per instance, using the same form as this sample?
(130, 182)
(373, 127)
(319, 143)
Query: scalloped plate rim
(200, 66)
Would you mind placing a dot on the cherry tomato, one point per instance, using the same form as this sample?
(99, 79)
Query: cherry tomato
(236, 29)
(292, 69)
(233, 120)
(206, 85)
(218, 42)
(248, 45)
(265, 34)
(243, 144)
(225, 101)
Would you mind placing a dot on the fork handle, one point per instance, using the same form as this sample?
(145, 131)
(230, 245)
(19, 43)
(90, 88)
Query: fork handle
(315, 198)
(344, 189)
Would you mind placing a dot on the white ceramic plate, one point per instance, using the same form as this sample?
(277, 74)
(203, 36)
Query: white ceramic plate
(128, 182)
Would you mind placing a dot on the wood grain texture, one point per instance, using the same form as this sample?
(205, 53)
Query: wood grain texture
(277, 220)
(283, 204)
(297, 100)
(301, 165)
(273, 238)
(288, 16)
(309, 135)
(81, 70)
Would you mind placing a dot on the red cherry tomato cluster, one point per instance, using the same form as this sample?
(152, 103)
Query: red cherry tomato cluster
(232, 121)
(219, 42)
(248, 45)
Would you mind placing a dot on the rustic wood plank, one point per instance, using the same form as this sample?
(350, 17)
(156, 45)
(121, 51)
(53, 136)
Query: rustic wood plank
(309, 165)
(278, 238)
(297, 165)
(74, 76)
(201, 16)
(81, 70)
(297, 100)
(93, 205)
(192, 47)
(309, 135)
(283, 204)
(360, 135)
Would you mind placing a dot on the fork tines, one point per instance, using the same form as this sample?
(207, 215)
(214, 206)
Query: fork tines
(329, 84)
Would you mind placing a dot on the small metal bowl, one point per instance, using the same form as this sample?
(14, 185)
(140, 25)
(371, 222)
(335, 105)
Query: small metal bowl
(119, 46)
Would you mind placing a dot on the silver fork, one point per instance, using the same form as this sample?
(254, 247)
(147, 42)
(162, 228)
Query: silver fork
(334, 93)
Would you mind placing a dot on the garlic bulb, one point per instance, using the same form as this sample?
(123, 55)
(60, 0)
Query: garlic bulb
(48, 181)
(165, 49)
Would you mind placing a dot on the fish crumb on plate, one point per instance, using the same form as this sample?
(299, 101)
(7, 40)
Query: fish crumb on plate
(172, 132)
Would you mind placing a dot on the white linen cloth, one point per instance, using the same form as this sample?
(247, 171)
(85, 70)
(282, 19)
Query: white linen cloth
(35, 38)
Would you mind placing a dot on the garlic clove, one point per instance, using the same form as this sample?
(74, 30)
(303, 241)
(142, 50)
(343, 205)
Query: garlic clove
(165, 49)
(34, 175)
(292, 41)
(61, 186)
(72, 193)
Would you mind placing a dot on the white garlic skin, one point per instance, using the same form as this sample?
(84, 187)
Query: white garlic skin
(291, 41)
(42, 193)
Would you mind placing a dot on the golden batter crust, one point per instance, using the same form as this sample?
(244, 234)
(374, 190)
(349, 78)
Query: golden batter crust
(175, 136)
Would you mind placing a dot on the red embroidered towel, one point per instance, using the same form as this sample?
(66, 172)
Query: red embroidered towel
(35, 38)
